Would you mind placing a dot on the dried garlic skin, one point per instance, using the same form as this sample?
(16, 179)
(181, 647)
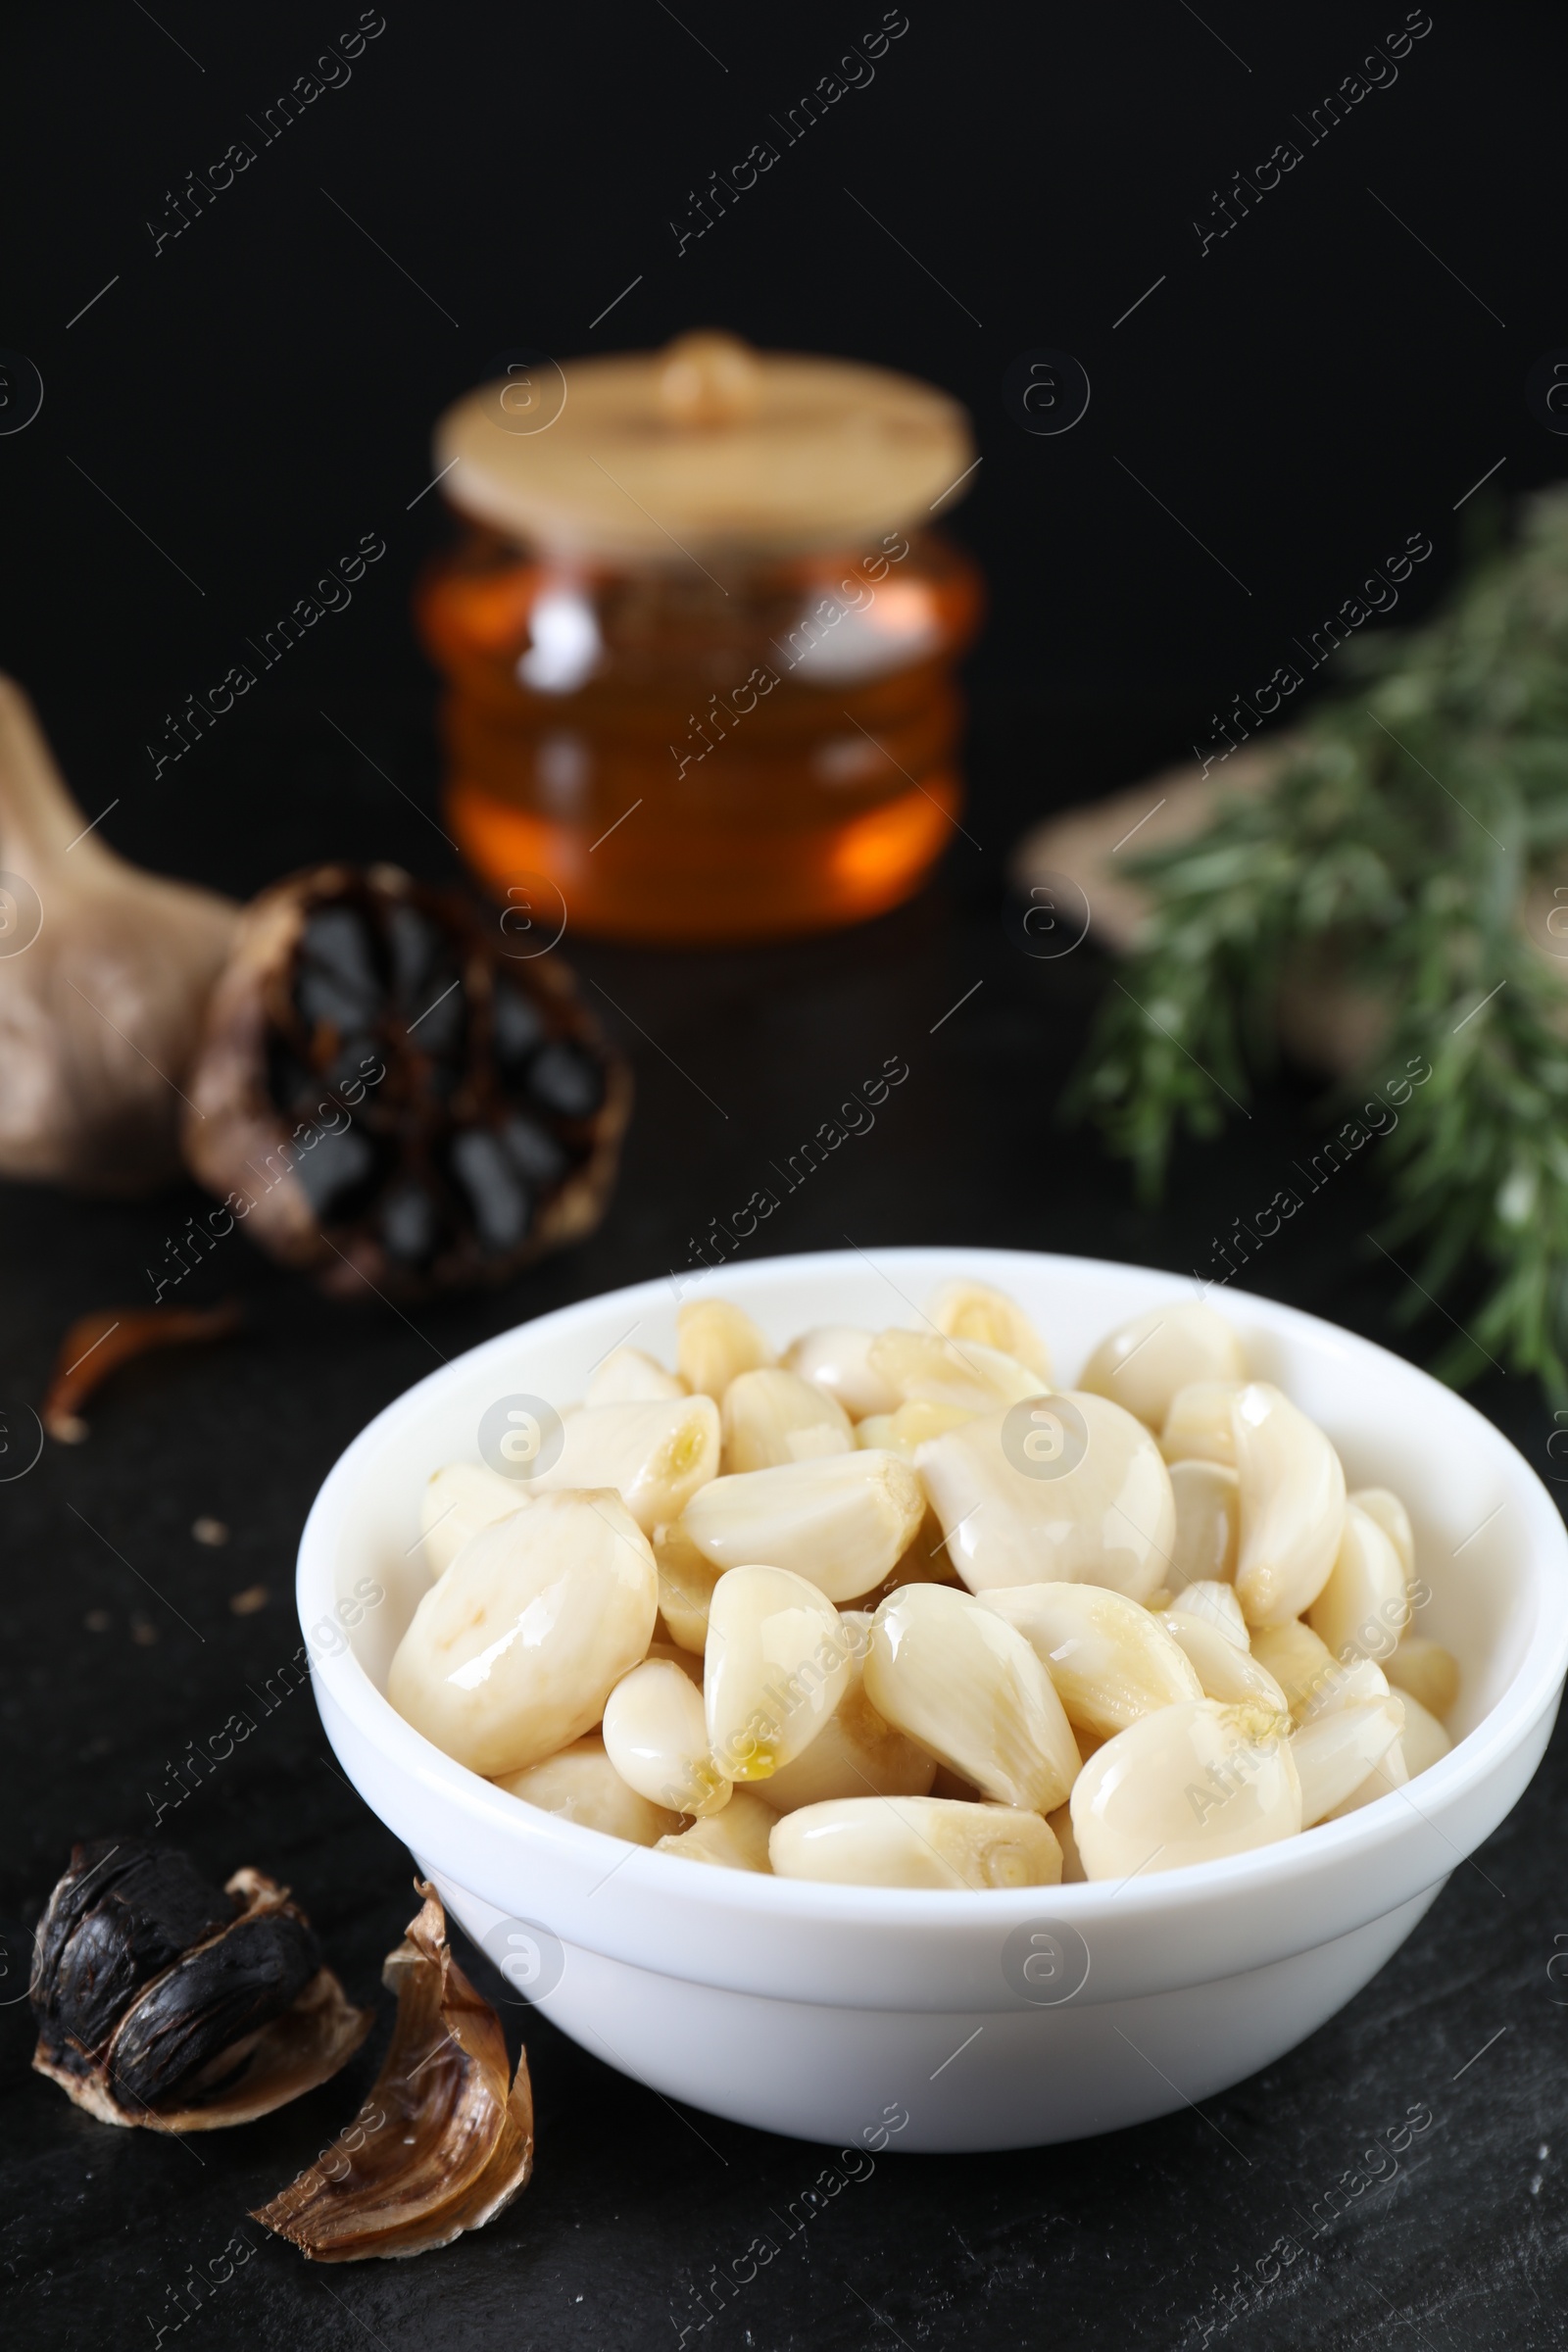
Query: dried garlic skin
(1142, 1364)
(442, 2145)
(1108, 1520)
(835, 1357)
(922, 1368)
(1424, 1670)
(656, 1736)
(841, 1521)
(1187, 1784)
(714, 1340)
(1197, 1426)
(514, 1654)
(1364, 1607)
(971, 1310)
(459, 1500)
(1335, 1750)
(654, 1456)
(1292, 1505)
(1110, 1661)
(915, 1841)
(1224, 1671)
(166, 2001)
(734, 1840)
(580, 1783)
(1383, 1505)
(686, 1580)
(771, 1416)
(628, 1376)
(775, 1667)
(1207, 1504)
(856, 1752)
(954, 1676)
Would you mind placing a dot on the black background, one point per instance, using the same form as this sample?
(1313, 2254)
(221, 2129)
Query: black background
(260, 393)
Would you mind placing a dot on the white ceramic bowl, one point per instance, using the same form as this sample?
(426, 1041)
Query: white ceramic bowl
(877, 2017)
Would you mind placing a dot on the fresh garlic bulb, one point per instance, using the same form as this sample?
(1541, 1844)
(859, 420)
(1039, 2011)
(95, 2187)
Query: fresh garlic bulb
(835, 1357)
(1206, 1497)
(654, 1456)
(714, 1340)
(1142, 1364)
(776, 1666)
(973, 1310)
(581, 1785)
(1364, 1607)
(627, 1376)
(459, 1501)
(923, 1368)
(1336, 1750)
(734, 1840)
(915, 1841)
(656, 1736)
(855, 1753)
(1197, 1426)
(514, 1654)
(1110, 1661)
(1108, 1519)
(771, 1416)
(1188, 1785)
(843, 1520)
(1292, 1505)
(957, 1678)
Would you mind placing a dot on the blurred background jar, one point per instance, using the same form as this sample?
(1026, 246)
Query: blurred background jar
(699, 638)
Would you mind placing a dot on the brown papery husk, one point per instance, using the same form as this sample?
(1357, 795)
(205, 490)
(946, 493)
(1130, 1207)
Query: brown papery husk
(442, 2143)
(97, 1345)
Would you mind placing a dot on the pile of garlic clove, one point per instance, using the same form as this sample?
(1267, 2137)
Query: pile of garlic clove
(892, 1610)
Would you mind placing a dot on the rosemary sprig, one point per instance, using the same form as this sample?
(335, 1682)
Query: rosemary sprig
(1407, 852)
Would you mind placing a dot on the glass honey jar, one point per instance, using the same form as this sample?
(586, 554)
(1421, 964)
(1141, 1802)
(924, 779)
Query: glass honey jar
(699, 638)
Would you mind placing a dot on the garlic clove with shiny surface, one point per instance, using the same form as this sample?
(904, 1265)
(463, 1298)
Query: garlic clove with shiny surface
(1364, 1605)
(459, 1500)
(580, 1783)
(842, 1520)
(771, 1416)
(775, 1667)
(1206, 1497)
(1187, 1784)
(656, 1736)
(973, 1310)
(962, 1683)
(836, 1357)
(656, 1455)
(915, 1841)
(1290, 1503)
(1143, 1364)
(1111, 1662)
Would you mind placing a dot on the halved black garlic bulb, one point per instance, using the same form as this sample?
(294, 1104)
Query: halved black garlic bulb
(165, 2000)
(383, 1095)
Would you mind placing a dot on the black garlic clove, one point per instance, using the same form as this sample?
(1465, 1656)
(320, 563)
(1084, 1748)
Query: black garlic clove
(164, 2000)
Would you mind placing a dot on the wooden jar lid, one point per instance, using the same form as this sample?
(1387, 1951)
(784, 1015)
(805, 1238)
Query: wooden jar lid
(706, 445)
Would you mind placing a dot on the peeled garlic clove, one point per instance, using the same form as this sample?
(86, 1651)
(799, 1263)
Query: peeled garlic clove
(735, 1839)
(1391, 1772)
(1188, 1785)
(1197, 1426)
(964, 1373)
(1217, 1604)
(1224, 1671)
(1059, 1824)
(1347, 1683)
(1207, 1509)
(654, 1456)
(855, 1753)
(955, 1677)
(842, 1521)
(1424, 1737)
(1335, 1751)
(1364, 1607)
(514, 1654)
(1110, 1519)
(714, 1340)
(876, 1431)
(915, 1841)
(1423, 1669)
(1292, 1504)
(973, 1310)
(1300, 1662)
(459, 1501)
(627, 1376)
(1385, 1506)
(837, 1358)
(686, 1580)
(581, 1785)
(656, 1736)
(771, 1416)
(776, 1666)
(1110, 1661)
(1143, 1364)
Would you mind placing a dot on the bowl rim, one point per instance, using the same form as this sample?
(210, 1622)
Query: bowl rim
(738, 1895)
